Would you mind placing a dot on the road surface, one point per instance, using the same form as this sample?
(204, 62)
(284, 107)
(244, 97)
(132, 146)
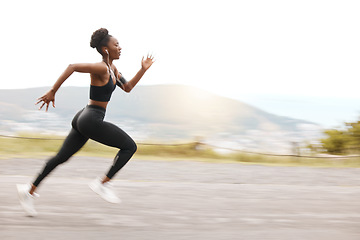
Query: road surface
(183, 200)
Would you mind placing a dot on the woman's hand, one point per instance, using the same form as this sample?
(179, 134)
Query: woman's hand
(146, 63)
(46, 99)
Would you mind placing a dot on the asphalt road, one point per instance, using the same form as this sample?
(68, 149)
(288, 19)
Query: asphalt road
(183, 200)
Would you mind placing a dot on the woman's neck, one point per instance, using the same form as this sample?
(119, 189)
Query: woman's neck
(108, 61)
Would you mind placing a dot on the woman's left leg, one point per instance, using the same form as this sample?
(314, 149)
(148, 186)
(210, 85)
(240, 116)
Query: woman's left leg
(91, 125)
(111, 135)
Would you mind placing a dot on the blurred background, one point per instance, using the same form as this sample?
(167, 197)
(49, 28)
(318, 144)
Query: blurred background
(268, 84)
(275, 77)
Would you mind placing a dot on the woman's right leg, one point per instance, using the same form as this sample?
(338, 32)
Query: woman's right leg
(73, 143)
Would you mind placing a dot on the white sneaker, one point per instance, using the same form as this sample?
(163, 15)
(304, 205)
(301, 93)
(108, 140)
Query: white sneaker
(104, 190)
(26, 199)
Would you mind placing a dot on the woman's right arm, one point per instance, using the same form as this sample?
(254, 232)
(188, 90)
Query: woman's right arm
(95, 68)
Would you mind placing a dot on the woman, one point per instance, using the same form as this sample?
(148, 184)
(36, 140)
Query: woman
(88, 123)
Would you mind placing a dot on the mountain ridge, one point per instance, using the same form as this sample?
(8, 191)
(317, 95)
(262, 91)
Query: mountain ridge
(149, 112)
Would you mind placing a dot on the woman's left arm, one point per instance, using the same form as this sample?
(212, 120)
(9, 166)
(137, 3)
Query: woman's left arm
(145, 65)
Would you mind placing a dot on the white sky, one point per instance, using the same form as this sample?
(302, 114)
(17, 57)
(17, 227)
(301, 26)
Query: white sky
(307, 47)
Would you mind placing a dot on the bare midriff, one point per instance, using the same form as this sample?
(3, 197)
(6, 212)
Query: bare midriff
(98, 103)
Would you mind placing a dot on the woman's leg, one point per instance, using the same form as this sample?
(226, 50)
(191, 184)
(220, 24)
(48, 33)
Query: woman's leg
(111, 135)
(73, 143)
(116, 137)
(91, 124)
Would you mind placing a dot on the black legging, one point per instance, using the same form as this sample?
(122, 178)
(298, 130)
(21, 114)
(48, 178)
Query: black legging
(88, 123)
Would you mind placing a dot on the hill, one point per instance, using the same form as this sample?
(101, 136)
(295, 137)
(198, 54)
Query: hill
(165, 112)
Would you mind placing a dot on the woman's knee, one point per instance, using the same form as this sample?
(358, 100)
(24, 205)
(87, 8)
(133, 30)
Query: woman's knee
(130, 147)
(133, 147)
(55, 161)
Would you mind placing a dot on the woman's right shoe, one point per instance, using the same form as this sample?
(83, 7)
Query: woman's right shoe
(104, 190)
(26, 199)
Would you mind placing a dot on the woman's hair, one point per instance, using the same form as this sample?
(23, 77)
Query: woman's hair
(100, 38)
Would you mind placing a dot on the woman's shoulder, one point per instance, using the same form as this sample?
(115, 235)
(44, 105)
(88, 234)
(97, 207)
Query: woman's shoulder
(99, 68)
(116, 71)
(101, 64)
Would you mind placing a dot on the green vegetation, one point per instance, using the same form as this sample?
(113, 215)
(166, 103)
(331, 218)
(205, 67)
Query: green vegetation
(25, 147)
(19, 147)
(344, 141)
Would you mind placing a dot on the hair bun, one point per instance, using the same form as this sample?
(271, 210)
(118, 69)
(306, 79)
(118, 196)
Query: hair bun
(98, 36)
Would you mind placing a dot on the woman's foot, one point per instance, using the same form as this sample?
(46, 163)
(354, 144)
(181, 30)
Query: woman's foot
(104, 190)
(27, 199)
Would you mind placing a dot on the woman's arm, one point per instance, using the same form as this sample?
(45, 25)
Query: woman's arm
(95, 68)
(145, 65)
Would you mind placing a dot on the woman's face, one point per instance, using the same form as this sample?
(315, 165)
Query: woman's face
(114, 48)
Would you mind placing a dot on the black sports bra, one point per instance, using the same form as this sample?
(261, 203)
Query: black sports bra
(103, 93)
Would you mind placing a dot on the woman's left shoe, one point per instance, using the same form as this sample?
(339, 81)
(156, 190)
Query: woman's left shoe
(104, 190)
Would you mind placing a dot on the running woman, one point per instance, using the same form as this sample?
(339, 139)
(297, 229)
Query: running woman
(89, 122)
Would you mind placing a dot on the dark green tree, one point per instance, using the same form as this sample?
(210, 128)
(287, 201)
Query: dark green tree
(346, 141)
(353, 130)
(336, 142)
